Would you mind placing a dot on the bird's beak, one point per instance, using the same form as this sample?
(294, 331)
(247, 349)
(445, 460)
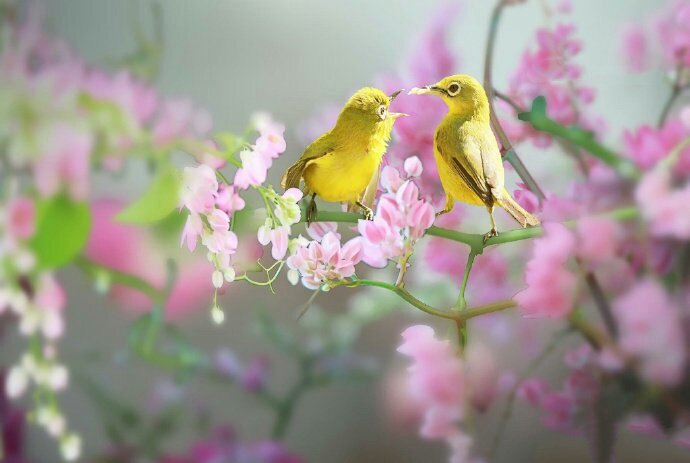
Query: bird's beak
(392, 96)
(424, 90)
(397, 115)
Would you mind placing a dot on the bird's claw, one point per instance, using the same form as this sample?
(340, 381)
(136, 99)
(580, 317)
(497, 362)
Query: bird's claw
(311, 211)
(490, 234)
(368, 214)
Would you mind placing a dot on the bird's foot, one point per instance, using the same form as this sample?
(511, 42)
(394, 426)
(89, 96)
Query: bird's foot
(368, 213)
(490, 234)
(311, 211)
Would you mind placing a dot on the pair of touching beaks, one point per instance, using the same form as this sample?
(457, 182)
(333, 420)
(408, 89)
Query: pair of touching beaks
(414, 91)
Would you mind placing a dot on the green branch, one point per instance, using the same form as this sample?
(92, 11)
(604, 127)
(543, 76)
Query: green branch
(473, 240)
(540, 121)
(460, 317)
(96, 270)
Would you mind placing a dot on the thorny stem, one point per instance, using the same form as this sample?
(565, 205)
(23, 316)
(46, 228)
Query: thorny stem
(511, 155)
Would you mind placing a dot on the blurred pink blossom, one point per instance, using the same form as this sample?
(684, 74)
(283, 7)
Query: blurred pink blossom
(550, 286)
(648, 145)
(65, 164)
(662, 206)
(598, 239)
(634, 48)
(180, 119)
(673, 29)
(134, 250)
(20, 218)
(437, 382)
(651, 332)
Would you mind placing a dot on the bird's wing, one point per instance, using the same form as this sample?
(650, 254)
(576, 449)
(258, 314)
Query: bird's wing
(464, 154)
(492, 162)
(369, 195)
(319, 147)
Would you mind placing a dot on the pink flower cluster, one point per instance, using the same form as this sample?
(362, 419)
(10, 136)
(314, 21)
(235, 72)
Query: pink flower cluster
(551, 286)
(322, 262)
(257, 160)
(210, 207)
(664, 207)
(437, 383)
(430, 61)
(648, 145)
(651, 332)
(667, 34)
(548, 70)
(401, 218)
(563, 408)
(76, 105)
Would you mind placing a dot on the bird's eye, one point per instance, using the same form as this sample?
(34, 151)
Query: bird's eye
(382, 111)
(453, 89)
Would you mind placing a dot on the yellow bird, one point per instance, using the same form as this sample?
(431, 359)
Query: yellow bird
(342, 165)
(467, 155)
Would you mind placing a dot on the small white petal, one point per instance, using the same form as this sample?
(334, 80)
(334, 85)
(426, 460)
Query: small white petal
(16, 382)
(217, 279)
(229, 274)
(217, 315)
(70, 447)
(293, 276)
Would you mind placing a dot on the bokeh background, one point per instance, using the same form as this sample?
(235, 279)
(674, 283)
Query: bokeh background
(292, 59)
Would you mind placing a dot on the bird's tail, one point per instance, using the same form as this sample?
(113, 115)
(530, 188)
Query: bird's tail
(523, 217)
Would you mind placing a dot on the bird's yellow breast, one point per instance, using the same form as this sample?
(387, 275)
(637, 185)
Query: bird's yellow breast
(342, 175)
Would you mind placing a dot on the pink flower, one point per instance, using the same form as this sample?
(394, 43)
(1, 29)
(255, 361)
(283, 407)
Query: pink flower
(634, 48)
(673, 29)
(279, 240)
(253, 170)
(317, 230)
(20, 218)
(436, 382)
(191, 233)
(663, 207)
(180, 119)
(598, 239)
(401, 219)
(137, 251)
(199, 187)
(651, 332)
(51, 299)
(430, 61)
(526, 198)
(228, 200)
(550, 286)
(413, 166)
(327, 261)
(481, 375)
(533, 391)
(65, 163)
(648, 145)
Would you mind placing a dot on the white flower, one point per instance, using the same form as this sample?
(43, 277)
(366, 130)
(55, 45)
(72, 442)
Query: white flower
(70, 447)
(57, 377)
(16, 382)
(217, 279)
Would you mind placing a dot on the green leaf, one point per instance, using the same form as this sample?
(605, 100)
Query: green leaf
(157, 202)
(62, 231)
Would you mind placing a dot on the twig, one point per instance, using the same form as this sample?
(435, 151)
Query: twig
(510, 400)
(511, 155)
